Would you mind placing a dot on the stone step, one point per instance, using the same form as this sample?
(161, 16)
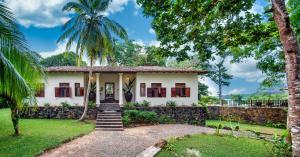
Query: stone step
(109, 123)
(108, 115)
(109, 129)
(108, 120)
(109, 126)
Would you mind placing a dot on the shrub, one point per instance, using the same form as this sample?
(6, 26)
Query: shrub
(126, 120)
(129, 105)
(65, 105)
(165, 119)
(135, 116)
(47, 104)
(145, 103)
(194, 122)
(171, 104)
(281, 148)
(136, 104)
(92, 104)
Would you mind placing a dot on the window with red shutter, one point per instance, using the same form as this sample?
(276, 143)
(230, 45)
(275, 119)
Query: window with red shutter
(64, 90)
(149, 92)
(173, 92)
(81, 91)
(156, 90)
(187, 92)
(40, 90)
(57, 92)
(180, 90)
(78, 91)
(143, 89)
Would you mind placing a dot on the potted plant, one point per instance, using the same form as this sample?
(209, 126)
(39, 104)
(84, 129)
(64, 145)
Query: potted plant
(127, 90)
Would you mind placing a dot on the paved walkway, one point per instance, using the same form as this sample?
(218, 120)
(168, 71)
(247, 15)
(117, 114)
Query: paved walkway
(128, 143)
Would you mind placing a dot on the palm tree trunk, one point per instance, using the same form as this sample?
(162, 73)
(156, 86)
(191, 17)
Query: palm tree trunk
(87, 93)
(292, 59)
(15, 119)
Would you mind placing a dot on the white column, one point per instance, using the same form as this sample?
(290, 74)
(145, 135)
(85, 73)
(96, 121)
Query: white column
(98, 89)
(120, 88)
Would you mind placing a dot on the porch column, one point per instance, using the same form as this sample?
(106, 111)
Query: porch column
(98, 89)
(120, 88)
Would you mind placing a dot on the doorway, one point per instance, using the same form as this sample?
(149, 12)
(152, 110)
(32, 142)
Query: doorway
(109, 91)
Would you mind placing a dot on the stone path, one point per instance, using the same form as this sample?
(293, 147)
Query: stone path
(127, 143)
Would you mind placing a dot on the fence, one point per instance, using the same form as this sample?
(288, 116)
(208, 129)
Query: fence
(257, 103)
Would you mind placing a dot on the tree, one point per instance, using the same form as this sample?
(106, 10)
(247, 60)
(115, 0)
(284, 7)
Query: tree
(92, 32)
(292, 68)
(63, 59)
(131, 54)
(20, 72)
(222, 25)
(237, 98)
(219, 74)
(202, 90)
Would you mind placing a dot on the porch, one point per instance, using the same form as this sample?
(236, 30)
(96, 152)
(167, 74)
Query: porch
(108, 87)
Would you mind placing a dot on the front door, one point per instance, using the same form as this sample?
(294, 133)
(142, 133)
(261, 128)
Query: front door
(109, 91)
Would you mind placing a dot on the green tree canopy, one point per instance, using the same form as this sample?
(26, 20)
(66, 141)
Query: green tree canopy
(63, 59)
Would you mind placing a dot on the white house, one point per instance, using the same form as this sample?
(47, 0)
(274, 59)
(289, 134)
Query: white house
(154, 84)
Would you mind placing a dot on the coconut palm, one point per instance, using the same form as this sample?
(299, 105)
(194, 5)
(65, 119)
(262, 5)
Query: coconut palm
(92, 32)
(20, 71)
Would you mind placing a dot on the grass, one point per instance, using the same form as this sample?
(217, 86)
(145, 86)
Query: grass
(217, 146)
(37, 134)
(243, 126)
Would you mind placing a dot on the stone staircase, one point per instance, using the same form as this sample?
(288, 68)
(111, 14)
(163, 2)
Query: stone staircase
(109, 117)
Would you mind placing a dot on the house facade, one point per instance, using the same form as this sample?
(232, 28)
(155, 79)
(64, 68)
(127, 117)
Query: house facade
(157, 85)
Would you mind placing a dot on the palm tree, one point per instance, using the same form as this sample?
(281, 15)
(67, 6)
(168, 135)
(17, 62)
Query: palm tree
(20, 71)
(93, 33)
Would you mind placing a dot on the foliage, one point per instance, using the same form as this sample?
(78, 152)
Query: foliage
(131, 54)
(267, 96)
(236, 97)
(47, 104)
(294, 13)
(165, 120)
(202, 90)
(245, 127)
(135, 116)
(281, 148)
(38, 135)
(129, 105)
(171, 103)
(219, 146)
(92, 104)
(208, 100)
(126, 120)
(63, 59)
(145, 103)
(128, 85)
(65, 104)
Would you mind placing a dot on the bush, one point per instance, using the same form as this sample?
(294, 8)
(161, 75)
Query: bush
(135, 116)
(171, 104)
(126, 120)
(65, 105)
(145, 103)
(281, 148)
(47, 104)
(91, 104)
(129, 105)
(165, 120)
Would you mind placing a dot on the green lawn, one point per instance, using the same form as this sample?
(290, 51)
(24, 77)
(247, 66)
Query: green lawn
(243, 126)
(217, 146)
(37, 134)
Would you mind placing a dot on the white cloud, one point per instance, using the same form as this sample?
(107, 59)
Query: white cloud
(61, 47)
(151, 31)
(147, 43)
(212, 87)
(246, 70)
(48, 13)
(236, 91)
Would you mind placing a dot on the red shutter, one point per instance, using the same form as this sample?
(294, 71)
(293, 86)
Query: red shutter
(187, 92)
(57, 92)
(163, 92)
(69, 92)
(149, 92)
(81, 92)
(173, 92)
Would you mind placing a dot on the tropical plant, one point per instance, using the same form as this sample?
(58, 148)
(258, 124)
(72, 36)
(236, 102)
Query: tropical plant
(127, 89)
(20, 72)
(221, 77)
(93, 33)
(63, 59)
(171, 103)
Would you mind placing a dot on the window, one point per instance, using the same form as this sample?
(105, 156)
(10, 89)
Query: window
(79, 91)
(156, 90)
(63, 90)
(40, 92)
(180, 90)
(143, 89)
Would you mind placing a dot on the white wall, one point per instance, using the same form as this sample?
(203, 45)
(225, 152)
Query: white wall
(53, 80)
(168, 81)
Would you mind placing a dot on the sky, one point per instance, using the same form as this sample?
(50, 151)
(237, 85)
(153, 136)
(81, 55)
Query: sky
(41, 22)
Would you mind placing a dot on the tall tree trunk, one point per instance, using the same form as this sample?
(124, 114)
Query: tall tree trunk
(15, 118)
(87, 93)
(292, 59)
(220, 87)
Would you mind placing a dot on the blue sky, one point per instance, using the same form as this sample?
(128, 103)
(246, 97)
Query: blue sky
(41, 22)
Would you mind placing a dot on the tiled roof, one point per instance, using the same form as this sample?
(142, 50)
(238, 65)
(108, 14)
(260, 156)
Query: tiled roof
(111, 69)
